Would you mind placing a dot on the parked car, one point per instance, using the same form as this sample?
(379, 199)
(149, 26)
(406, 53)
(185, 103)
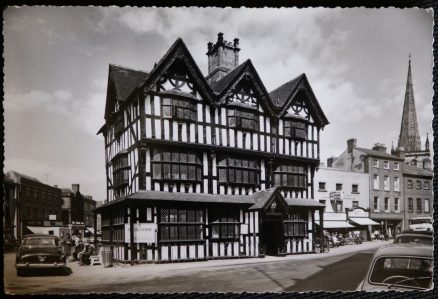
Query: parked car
(410, 236)
(421, 224)
(39, 252)
(400, 267)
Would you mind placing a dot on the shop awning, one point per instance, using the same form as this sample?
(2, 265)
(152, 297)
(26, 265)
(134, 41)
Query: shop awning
(363, 221)
(336, 224)
(38, 230)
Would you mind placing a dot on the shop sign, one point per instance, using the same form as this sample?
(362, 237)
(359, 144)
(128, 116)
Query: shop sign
(334, 216)
(52, 217)
(98, 224)
(143, 233)
(358, 213)
(337, 195)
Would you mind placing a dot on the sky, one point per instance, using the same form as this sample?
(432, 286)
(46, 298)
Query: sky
(56, 70)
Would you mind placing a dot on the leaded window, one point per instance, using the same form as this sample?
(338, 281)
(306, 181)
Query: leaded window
(224, 224)
(243, 119)
(296, 224)
(291, 176)
(238, 171)
(179, 108)
(176, 166)
(296, 129)
(181, 224)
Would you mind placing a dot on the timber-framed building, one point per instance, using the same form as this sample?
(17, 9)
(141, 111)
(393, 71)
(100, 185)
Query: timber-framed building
(208, 167)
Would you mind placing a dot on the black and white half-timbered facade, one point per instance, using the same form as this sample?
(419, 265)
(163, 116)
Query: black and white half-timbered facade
(208, 167)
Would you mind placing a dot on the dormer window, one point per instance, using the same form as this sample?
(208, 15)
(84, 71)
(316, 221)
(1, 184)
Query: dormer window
(243, 119)
(296, 127)
(179, 108)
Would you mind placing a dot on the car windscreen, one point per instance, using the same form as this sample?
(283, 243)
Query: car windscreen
(413, 239)
(40, 241)
(414, 272)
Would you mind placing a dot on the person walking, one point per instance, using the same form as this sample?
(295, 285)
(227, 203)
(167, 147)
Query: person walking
(66, 244)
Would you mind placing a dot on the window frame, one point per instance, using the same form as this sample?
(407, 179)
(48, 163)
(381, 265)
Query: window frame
(385, 164)
(376, 182)
(175, 104)
(236, 166)
(291, 176)
(418, 206)
(410, 204)
(387, 204)
(296, 128)
(397, 205)
(396, 166)
(376, 204)
(323, 185)
(235, 115)
(179, 226)
(376, 163)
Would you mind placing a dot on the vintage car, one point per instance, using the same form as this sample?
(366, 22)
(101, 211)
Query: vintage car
(39, 252)
(401, 267)
(421, 224)
(410, 236)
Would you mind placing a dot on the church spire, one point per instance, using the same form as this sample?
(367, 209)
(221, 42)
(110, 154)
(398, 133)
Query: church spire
(427, 142)
(409, 136)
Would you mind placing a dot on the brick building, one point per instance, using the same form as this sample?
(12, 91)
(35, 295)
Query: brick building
(385, 181)
(77, 210)
(30, 206)
(208, 167)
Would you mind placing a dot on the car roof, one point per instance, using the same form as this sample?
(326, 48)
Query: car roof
(420, 250)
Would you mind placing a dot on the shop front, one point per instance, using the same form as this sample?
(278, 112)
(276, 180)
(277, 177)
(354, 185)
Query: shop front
(389, 224)
(359, 217)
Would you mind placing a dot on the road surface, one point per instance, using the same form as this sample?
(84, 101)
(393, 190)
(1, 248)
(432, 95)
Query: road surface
(309, 272)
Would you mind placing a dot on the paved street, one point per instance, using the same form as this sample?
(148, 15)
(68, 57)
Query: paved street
(273, 274)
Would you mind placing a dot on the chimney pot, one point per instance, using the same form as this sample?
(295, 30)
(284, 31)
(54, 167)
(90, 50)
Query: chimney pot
(379, 147)
(330, 161)
(75, 187)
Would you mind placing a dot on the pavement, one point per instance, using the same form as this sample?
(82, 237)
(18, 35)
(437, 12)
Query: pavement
(266, 274)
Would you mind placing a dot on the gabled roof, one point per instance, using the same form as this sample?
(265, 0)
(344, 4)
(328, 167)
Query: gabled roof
(179, 51)
(222, 86)
(263, 197)
(16, 177)
(283, 96)
(123, 82)
(378, 154)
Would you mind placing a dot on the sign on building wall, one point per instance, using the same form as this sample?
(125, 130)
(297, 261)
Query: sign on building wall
(143, 233)
(337, 195)
(52, 217)
(358, 213)
(99, 224)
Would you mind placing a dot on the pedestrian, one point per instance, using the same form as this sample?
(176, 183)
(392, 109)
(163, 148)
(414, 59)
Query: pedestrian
(78, 248)
(66, 244)
(85, 256)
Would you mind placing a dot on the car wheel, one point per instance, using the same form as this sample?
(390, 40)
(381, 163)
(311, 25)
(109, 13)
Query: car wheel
(20, 272)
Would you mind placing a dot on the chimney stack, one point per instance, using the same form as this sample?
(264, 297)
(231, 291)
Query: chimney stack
(75, 188)
(223, 57)
(351, 144)
(379, 147)
(330, 161)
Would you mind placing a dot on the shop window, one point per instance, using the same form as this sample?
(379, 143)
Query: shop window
(290, 176)
(418, 205)
(180, 109)
(296, 129)
(181, 224)
(233, 170)
(295, 224)
(243, 119)
(176, 166)
(410, 205)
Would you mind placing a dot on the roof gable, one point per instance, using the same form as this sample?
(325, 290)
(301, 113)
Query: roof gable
(245, 71)
(122, 81)
(179, 52)
(298, 89)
